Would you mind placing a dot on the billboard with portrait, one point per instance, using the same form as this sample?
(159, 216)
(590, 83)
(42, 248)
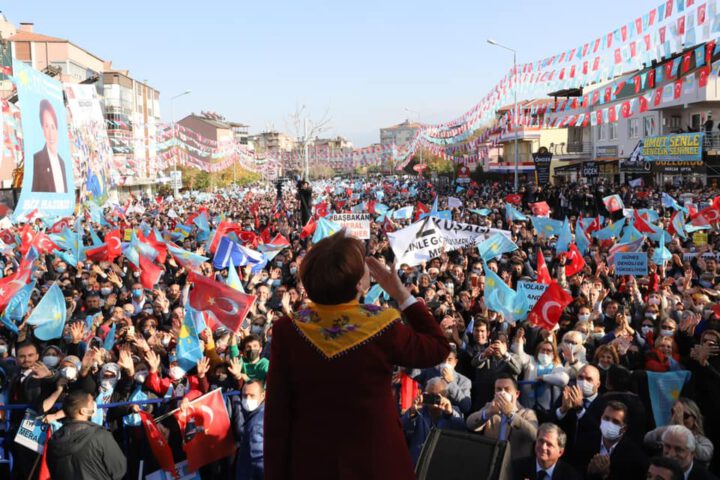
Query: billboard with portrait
(48, 182)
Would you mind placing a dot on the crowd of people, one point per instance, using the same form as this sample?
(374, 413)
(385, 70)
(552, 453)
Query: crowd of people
(572, 402)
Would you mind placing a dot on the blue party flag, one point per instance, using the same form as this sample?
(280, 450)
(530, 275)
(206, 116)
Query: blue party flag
(564, 238)
(512, 214)
(188, 350)
(17, 307)
(49, 315)
(581, 239)
(678, 223)
(325, 228)
(404, 213)
(240, 255)
(483, 212)
(664, 389)
(669, 202)
(546, 226)
(233, 280)
(611, 231)
(94, 238)
(109, 342)
(374, 294)
(630, 234)
(495, 246)
(498, 295)
(661, 255)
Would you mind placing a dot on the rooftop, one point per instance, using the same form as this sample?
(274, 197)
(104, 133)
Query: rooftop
(406, 124)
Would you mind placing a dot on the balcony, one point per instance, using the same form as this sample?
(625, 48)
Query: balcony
(570, 150)
(711, 143)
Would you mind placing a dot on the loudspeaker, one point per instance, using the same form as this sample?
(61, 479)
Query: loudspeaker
(451, 455)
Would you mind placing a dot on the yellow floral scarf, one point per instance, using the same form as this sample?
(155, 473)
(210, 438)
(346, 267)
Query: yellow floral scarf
(334, 329)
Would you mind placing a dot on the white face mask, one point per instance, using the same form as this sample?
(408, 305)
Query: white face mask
(544, 359)
(141, 376)
(69, 373)
(505, 395)
(587, 388)
(610, 431)
(584, 317)
(654, 301)
(176, 373)
(443, 366)
(645, 329)
(51, 361)
(667, 333)
(249, 404)
(3, 349)
(108, 384)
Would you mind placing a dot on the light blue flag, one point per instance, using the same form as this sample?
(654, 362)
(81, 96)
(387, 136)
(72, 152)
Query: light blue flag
(374, 294)
(690, 228)
(359, 208)
(669, 202)
(678, 223)
(661, 255)
(325, 228)
(131, 254)
(483, 212)
(188, 350)
(145, 249)
(459, 189)
(664, 389)
(630, 234)
(233, 280)
(381, 209)
(203, 226)
(49, 315)
(586, 222)
(564, 239)
(651, 214)
(77, 246)
(404, 213)
(133, 419)
(66, 239)
(658, 234)
(498, 295)
(581, 239)
(495, 246)
(546, 226)
(611, 231)
(66, 257)
(189, 260)
(17, 307)
(109, 342)
(94, 238)
(512, 214)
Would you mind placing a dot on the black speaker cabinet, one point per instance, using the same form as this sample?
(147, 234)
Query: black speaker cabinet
(451, 455)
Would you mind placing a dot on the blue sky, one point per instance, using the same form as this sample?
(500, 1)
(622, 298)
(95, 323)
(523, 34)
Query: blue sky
(363, 61)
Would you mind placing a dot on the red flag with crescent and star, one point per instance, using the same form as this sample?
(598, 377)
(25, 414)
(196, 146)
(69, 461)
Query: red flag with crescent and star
(546, 312)
(543, 274)
(149, 272)
(114, 244)
(230, 306)
(158, 444)
(206, 431)
(575, 261)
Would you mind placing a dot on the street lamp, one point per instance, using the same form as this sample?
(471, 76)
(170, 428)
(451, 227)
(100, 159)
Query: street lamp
(172, 124)
(515, 108)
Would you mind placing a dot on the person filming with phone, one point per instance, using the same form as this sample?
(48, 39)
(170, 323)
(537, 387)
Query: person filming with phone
(431, 409)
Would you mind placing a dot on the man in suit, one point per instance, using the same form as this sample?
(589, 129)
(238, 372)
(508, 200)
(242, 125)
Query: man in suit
(679, 444)
(619, 384)
(546, 463)
(576, 414)
(48, 166)
(458, 385)
(502, 419)
(608, 452)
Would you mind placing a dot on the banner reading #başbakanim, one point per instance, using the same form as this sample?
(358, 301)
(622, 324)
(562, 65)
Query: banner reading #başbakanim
(683, 146)
(48, 184)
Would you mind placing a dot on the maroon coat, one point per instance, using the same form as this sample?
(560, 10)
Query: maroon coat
(338, 418)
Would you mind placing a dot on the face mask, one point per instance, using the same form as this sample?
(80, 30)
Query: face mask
(587, 388)
(293, 270)
(652, 316)
(60, 269)
(165, 342)
(646, 329)
(654, 301)
(544, 359)
(609, 430)
(445, 365)
(584, 317)
(252, 355)
(505, 395)
(176, 373)
(583, 336)
(136, 274)
(141, 376)
(3, 349)
(108, 384)
(69, 373)
(106, 290)
(597, 335)
(279, 264)
(51, 361)
(276, 282)
(666, 333)
(249, 404)
(137, 292)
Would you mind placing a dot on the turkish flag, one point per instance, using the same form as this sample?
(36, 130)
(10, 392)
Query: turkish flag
(640, 224)
(248, 238)
(668, 8)
(681, 31)
(420, 208)
(651, 78)
(44, 473)
(625, 110)
(701, 10)
(543, 274)
(113, 240)
(706, 216)
(575, 261)
(59, 226)
(229, 305)
(677, 88)
(703, 76)
(514, 198)
(408, 391)
(608, 94)
(308, 229)
(206, 430)
(27, 234)
(158, 444)
(159, 246)
(43, 244)
(546, 312)
(149, 272)
(686, 62)
(265, 235)
(657, 96)
(98, 254)
(668, 70)
(618, 56)
(612, 114)
(10, 285)
(643, 103)
(280, 241)
(321, 209)
(540, 209)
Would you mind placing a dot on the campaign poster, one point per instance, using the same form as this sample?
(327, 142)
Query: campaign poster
(92, 155)
(631, 263)
(48, 183)
(542, 160)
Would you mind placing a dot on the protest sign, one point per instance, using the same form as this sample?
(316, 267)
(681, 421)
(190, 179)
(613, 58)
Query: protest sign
(33, 432)
(356, 224)
(417, 243)
(631, 263)
(532, 291)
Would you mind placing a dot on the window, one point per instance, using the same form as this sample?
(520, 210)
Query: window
(675, 122)
(634, 128)
(649, 127)
(613, 131)
(601, 132)
(695, 122)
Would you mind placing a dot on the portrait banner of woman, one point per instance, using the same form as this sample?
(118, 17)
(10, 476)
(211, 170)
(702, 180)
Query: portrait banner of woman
(48, 183)
(330, 410)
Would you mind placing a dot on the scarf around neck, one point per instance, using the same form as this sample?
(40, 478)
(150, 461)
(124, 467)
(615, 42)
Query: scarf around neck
(335, 329)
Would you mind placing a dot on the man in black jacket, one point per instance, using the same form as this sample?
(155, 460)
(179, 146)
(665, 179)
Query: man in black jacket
(81, 449)
(546, 463)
